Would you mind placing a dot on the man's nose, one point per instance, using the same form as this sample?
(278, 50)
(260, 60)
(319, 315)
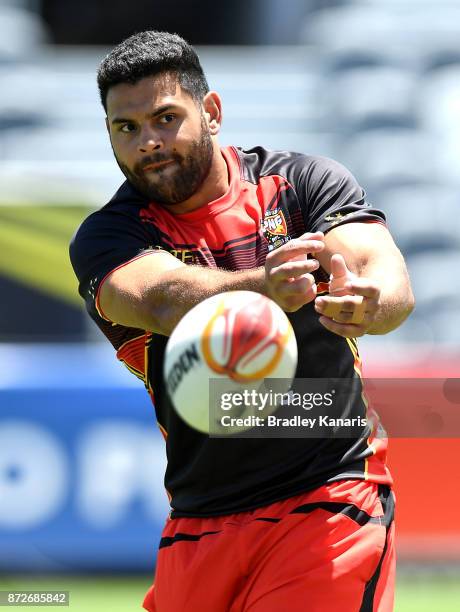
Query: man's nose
(149, 141)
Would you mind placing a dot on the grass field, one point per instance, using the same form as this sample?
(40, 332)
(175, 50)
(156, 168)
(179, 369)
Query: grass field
(415, 593)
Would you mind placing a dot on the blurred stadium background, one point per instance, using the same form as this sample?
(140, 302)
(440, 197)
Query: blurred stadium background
(372, 83)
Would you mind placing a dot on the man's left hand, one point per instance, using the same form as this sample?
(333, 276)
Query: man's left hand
(351, 315)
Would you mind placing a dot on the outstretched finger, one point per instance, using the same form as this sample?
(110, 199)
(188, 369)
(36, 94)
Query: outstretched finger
(293, 249)
(297, 286)
(338, 266)
(294, 269)
(364, 287)
(353, 307)
(347, 330)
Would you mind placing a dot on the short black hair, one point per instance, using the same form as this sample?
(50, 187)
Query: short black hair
(147, 54)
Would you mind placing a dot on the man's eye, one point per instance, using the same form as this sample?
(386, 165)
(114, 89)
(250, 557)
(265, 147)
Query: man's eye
(168, 118)
(127, 128)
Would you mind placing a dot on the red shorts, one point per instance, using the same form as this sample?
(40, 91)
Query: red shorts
(326, 550)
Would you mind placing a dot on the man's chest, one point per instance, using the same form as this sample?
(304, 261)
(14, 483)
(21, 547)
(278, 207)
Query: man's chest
(236, 236)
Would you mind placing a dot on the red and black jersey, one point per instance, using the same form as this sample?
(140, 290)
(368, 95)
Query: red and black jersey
(273, 196)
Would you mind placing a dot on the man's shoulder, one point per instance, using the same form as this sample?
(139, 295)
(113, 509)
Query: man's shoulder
(123, 206)
(259, 162)
(126, 201)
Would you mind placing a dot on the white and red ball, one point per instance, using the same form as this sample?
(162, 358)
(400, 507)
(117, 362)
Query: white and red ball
(238, 338)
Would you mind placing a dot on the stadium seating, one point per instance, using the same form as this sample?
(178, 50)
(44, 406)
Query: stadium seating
(376, 86)
(437, 289)
(432, 271)
(369, 96)
(421, 217)
(383, 157)
(401, 33)
(22, 31)
(390, 89)
(439, 115)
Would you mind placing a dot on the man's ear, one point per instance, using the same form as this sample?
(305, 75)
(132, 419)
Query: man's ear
(212, 106)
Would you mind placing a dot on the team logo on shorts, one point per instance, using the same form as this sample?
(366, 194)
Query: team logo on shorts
(274, 228)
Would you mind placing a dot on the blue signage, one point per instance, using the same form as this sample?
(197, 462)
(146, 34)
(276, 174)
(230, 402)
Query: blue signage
(81, 476)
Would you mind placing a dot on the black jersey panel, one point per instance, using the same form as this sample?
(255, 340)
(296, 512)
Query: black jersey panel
(327, 192)
(274, 196)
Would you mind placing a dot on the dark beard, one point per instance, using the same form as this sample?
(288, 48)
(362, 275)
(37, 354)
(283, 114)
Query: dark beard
(190, 171)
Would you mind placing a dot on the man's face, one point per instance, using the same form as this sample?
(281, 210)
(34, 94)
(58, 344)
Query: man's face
(160, 138)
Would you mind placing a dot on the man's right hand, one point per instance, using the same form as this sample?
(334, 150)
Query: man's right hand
(288, 271)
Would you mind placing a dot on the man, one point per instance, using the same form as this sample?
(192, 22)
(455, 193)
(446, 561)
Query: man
(256, 524)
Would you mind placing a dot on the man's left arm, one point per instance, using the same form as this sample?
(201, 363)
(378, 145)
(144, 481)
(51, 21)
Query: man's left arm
(370, 291)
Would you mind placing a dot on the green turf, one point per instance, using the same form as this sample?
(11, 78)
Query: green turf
(87, 594)
(428, 594)
(125, 594)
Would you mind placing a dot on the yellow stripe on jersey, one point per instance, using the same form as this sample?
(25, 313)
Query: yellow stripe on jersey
(357, 365)
(133, 370)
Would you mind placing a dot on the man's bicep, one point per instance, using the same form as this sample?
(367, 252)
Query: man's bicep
(121, 295)
(360, 244)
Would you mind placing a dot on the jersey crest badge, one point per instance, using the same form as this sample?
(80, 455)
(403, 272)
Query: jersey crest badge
(274, 228)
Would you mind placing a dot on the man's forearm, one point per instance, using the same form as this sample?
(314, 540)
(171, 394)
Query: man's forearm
(154, 292)
(183, 288)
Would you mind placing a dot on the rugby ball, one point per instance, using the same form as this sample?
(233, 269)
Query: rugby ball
(223, 355)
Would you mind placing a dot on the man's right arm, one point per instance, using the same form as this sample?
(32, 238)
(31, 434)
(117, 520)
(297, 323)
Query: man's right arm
(155, 291)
